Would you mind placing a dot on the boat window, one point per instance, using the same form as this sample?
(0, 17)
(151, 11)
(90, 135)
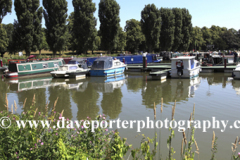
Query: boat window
(192, 63)
(72, 62)
(56, 64)
(63, 68)
(117, 63)
(98, 64)
(73, 68)
(45, 65)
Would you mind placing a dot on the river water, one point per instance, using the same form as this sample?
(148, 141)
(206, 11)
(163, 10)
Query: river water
(132, 97)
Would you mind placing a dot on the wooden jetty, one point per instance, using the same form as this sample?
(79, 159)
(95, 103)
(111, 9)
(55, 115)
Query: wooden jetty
(166, 66)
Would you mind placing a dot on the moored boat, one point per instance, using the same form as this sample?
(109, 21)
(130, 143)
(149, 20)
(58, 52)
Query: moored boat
(68, 70)
(236, 72)
(31, 68)
(107, 66)
(185, 67)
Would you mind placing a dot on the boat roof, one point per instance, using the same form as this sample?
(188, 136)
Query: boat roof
(183, 58)
(104, 59)
(78, 59)
(70, 65)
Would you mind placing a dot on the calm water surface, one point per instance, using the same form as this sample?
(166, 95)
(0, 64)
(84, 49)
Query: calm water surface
(132, 97)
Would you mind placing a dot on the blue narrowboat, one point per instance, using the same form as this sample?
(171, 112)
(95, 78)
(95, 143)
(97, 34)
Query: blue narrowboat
(131, 59)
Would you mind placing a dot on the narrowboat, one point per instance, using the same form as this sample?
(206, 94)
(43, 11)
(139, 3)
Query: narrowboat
(184, 67)
(31, 68)
(131, 59)
(107, 66)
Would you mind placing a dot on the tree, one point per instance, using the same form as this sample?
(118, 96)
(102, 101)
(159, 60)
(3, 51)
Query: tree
(84, 24)
(5, 7)
(186, 30)
(43, 40)
(167, 29)
(151, 26)
(96, 41)
(55, 15)
(216, 33)
(231, 38)
(71, 41)
(197, 39)
(121, 40)
(3, 40)
(109, 19)
(207, 36)
(29, 16)
(178, 36)
(134, 35)
(16, 44)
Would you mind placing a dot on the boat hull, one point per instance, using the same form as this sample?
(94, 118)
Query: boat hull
(107, 72)
(236, 74)
(188, 74)
(77, 74)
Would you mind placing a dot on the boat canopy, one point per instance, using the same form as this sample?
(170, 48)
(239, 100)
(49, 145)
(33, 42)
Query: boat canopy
(80, 61)
(102, 63)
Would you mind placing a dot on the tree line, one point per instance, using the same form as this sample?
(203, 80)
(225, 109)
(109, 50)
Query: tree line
(160, 29)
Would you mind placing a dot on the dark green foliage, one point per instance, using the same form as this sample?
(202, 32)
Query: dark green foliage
(71, 41)
(5, 7)
(3, 40)
(186, 29)
(15, 44)
(84, 24)
(178, 36)
(134, 35)
(120, 40)
(167, 29)
(197, 39)
(29, 19)
(109, 27)
(231, 38)
(43, 41)
(151, 26)
(55, 15)
(207, 36)
(6, 39)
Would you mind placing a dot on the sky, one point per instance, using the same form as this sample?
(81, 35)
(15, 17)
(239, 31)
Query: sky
(222, 13)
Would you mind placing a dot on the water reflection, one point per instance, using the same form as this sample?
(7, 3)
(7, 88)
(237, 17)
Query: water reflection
(107, 84)
(86, 100)
(236, 86)
(110, 87)
(170, 90)
(216, 78)
(4, 88)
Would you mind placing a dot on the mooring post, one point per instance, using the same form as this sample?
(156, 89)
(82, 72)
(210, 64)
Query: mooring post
(225, 62)
(124, 60)
(1, 62)
(144, 62)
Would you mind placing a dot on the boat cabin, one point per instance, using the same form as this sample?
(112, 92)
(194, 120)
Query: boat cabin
(185, 67)
(102, 63)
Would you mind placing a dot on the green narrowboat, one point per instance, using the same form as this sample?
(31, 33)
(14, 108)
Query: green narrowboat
(35, 67)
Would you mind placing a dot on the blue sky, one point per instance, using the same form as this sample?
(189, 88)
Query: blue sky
(223, 13)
